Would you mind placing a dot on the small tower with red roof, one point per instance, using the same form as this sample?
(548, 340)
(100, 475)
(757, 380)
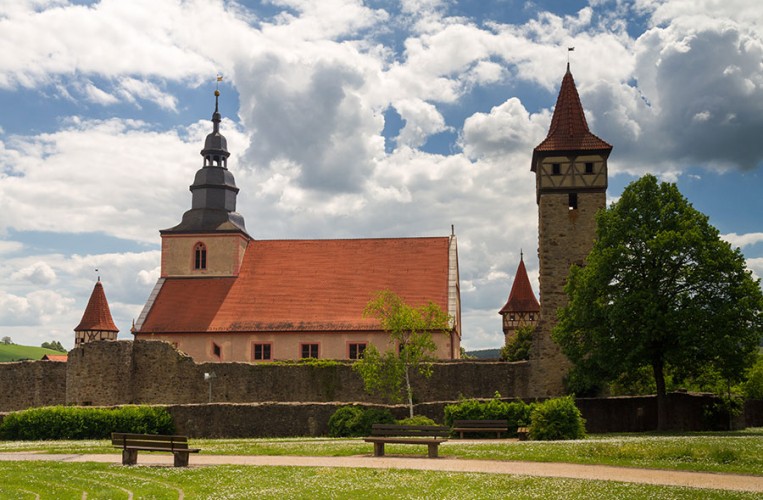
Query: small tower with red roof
(570, 167)
(521, 308)
(96, 323)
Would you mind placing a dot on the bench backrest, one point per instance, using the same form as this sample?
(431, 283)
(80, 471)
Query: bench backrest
(504, 424)
(126, 440)
(410, 430)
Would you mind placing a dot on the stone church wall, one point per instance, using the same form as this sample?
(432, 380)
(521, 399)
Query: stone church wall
(153, 372)
(25, 384)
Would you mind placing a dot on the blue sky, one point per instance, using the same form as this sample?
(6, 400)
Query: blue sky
(350, 119)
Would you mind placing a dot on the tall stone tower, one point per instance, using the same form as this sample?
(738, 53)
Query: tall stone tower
(521, 308)
(212, 238)
(96, 323)
(570, 168)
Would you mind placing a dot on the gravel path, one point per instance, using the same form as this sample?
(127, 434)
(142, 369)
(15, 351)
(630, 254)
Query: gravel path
(709, 480)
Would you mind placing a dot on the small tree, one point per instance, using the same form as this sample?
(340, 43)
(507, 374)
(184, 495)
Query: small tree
(6, 341)
(518, 348)
(410, 332)
(661, 289)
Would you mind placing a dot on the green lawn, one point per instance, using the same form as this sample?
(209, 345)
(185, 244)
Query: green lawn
(730, 452)
(59, 480)
(13, 352)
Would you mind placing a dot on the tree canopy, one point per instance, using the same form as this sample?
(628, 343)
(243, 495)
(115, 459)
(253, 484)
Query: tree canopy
(660, 288)
(410, 332)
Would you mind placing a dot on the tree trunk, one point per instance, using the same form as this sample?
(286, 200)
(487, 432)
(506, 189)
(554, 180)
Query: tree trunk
(658, 366)
(409, 392)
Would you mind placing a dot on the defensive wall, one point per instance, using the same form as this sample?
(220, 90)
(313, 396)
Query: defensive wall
(269, 399)
(24, 384)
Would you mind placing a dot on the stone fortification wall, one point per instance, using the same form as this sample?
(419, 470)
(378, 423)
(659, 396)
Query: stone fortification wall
(152, 372)
(26, 384)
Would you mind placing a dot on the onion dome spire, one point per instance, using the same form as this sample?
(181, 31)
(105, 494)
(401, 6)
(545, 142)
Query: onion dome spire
(213, 206)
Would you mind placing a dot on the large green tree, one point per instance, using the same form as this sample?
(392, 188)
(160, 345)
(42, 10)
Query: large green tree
(410, 332)
(660, 288)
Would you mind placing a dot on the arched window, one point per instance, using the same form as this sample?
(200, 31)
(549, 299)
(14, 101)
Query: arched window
(200, 256)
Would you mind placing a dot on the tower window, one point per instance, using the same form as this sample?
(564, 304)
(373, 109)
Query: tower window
(556, 169)
(573, 201)
(200, 256)
(216, 350)
(589, 167)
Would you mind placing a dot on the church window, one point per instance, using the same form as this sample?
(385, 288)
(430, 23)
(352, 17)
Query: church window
(556, 169)
(589, 167)
(262, 352)
(309, 351)
(356, 350)
(200, 256)
(216, 350)
(573, 201)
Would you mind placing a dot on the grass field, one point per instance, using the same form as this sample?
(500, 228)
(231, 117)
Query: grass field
(13, 352)
(57, 480)
(738, 452)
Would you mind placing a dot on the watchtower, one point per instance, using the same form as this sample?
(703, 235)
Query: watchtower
(96, 323)
(570, 168)
(521, 308)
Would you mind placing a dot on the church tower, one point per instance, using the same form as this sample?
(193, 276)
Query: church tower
(521, 308)
(96, 323)
(570, 168)
(211, 239)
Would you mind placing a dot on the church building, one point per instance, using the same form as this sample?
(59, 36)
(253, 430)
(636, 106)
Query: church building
(224, 296)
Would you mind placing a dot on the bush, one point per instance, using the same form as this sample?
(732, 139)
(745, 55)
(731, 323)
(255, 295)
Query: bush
(753, 386)
(517, 413)
(355, 421)
(70, 422)
(417, 420)
(557, 418)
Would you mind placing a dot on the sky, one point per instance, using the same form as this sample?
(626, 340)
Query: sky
(350, 119)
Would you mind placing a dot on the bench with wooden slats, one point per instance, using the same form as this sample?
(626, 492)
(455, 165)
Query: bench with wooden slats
(497, 426)
(132, 443)
(430, 435)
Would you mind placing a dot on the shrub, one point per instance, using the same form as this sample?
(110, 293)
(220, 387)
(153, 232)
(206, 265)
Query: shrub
(70, 422)
(557, 418)
(753, 386)
(517, 413)
(354, 421)
(417, 420)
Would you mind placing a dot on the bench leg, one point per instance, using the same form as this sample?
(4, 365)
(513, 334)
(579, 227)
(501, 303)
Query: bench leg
(129, 457)
(433, 450)
(378, 449)
(181, 459)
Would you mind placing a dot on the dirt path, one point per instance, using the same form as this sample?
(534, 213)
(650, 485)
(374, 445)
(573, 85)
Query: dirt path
(707, 480)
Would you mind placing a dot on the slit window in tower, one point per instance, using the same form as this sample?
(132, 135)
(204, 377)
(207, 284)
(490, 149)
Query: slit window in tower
(573, 201)
(200, 256)
(589, 167)
(556, 169)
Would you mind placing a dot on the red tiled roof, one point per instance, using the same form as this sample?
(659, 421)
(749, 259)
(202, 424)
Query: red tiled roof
(97, 316)
(298, 285)
(61, 358)
(521, 298)
(569, 128)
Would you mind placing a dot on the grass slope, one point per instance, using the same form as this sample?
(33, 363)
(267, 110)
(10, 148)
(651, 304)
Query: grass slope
(13, 352)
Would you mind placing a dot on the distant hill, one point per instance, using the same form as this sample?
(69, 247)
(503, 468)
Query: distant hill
(485, 353)
(13, 352)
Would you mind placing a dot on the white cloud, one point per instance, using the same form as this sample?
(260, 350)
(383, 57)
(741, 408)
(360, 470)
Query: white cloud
(743, 240)
(39, 273)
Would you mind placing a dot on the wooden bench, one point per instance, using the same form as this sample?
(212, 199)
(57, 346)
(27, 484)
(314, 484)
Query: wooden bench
(497, 426)
(430, 435)
(523, 433)
(132, 443)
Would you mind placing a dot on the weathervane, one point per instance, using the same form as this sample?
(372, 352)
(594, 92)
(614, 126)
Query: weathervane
(569, 49)
(98, 275)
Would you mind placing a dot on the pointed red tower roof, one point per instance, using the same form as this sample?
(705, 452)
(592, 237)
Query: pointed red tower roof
(521, 298)
(97, 315)
(569, 128)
